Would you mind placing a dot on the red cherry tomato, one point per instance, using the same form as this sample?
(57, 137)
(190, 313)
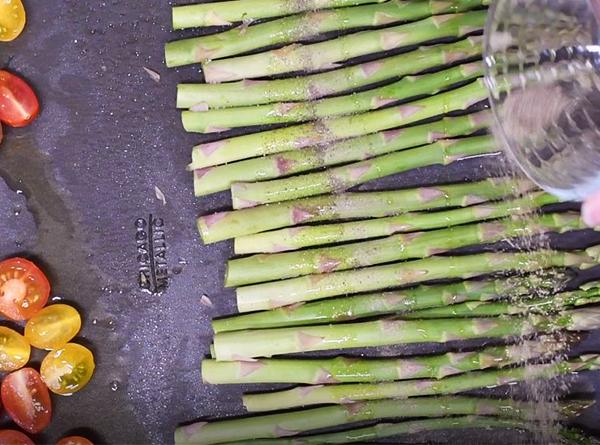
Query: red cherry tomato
(73, 440)
(18, 103)
(27, 400)
(14, 437)
(24, 289)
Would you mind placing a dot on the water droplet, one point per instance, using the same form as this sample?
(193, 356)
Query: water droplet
(56, 298)
(177, 270)
(114, 385)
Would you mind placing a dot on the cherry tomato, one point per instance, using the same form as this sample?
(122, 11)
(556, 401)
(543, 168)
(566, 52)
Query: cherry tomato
(24, 289)
(68, 370)
(18, 103)
(26, 400)
(73, 440)
(14, 350)
(14, 437)
(12, 19)
(53, 327)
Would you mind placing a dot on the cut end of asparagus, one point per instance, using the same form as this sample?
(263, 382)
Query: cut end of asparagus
(574, 408)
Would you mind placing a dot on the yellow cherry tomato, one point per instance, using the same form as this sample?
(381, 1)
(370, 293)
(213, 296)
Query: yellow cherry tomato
(12, 19)
(67, 370)
(53, 327)
(14, 349)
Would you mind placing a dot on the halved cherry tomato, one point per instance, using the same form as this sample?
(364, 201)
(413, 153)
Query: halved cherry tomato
(27, 400)
(14, 437)
(14, 350)
(12, 19)
(53, 327)
(18, 103)
(68, 370)
(24, 289)
(73, 440)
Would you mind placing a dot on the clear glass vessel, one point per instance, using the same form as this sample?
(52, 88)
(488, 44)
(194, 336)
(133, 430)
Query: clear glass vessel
(542, 60)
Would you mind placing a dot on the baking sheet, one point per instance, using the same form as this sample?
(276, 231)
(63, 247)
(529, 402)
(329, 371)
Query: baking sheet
(79, 195)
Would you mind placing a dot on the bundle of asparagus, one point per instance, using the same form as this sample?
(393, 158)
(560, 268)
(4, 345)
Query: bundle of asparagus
(286, 186)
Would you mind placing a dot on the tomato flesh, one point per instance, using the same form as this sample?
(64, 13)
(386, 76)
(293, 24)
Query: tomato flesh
(14, 437)
(73, 440)
(27, 400)
(18, 103)
(67, 370)
(14, 350)
(53, 327)
(12, 19)
(24, 289)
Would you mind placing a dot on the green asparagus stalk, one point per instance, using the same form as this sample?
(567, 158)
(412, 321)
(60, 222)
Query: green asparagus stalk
(547, 305)
(359, 370)
(211, 121)
(224, 225)
(269, 267)
(216, 179)
(393, 302)
(347, 176)
(314, 287)
(350, 393)
(571, 436)
(306, 236)
(296, 422)
(385, 430)
(228, 12)
(244, 93)
(303, 26)
(321, 132)
(325, 55)
(244, 345)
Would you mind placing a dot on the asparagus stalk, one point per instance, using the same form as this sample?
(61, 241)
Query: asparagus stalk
(211, 121)
(350, 393)
(314, 235)
(386, 430)
(296, 422)
(347, 176)
(243, 345)
(268, 267)
(216, 179)
(303, 26)
(314, 287)
(228, 12)
(547, 305)
(358, 370)
(393, 302)
(325, 55)
(224, 225)
(314, 86)
(321, 132)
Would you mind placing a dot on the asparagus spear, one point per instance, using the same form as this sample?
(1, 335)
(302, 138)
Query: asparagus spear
(347, 176)
(325, 55)
(385, 430)
(349, 393)
(224, 225)
(303, 26)
(216, 179)
(314, 86)
(393, 302)
(314, 235)
(296, 422)
(321, 132)
(243, 345)
(227, 12)
(547, 305)
(360, 370)
(314, 287)
(211, 121)
(269, 267)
